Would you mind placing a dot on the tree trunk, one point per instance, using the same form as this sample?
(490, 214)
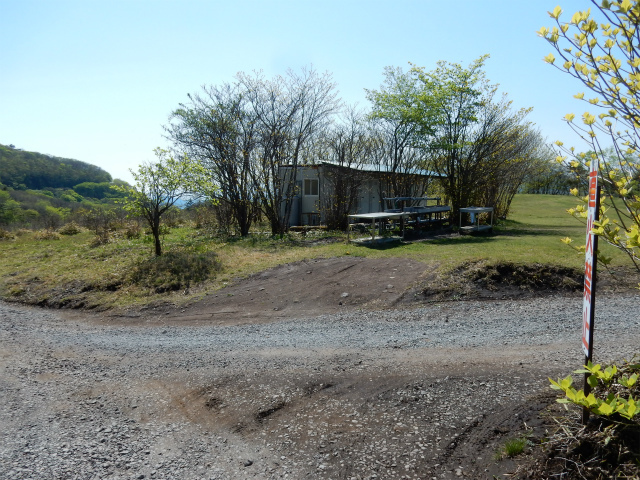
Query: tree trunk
(155, 229)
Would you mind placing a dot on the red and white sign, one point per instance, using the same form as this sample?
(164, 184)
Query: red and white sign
(590, 259)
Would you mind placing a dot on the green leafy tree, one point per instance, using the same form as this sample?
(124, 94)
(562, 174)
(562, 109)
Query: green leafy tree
(403, 117)
(9, 209)
(601, 50)
(53, 217)
(482, 149)
(159, 186)
(95, 190)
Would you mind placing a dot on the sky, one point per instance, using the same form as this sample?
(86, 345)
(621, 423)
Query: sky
(96, 80)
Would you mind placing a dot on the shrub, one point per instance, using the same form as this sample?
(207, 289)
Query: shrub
(132, 230)
(102, 238)
(608, 446)
(71, 228)
(47, 235)
(204, 216)
(175, 270)
(613, 390)
(6, 235)
(22, 232)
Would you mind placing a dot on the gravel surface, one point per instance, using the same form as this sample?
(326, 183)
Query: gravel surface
(391, 394)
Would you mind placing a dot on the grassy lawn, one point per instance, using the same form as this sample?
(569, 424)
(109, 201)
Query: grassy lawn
(70, 271)
(531, 234)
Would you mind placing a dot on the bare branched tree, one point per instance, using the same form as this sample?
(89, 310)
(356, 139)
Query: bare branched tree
(218, 128)
(346, 147)
(288, 110)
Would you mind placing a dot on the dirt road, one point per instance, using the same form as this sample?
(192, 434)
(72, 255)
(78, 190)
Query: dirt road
(430, 392)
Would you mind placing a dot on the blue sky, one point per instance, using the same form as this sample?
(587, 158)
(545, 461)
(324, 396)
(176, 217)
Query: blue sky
(96, 80)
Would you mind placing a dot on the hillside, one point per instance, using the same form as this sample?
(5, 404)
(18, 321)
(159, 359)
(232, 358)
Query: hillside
(31, 170)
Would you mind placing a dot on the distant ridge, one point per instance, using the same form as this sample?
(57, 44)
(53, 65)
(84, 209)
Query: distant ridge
(20, 169)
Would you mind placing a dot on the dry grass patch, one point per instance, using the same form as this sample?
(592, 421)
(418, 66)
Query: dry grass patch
(46, 235)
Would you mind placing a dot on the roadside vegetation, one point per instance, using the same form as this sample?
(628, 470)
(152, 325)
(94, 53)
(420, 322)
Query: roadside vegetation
(74, 267)
(599, 48)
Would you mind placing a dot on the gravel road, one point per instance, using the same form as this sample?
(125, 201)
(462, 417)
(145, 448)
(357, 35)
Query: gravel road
(391, 394)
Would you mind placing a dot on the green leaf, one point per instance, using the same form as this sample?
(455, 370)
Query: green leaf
(632, 408)
(566, 382)
(592, 401)
(629, 381)
(604, 409)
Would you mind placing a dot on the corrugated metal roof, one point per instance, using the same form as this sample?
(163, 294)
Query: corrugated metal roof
(370, 167)
(384, 169)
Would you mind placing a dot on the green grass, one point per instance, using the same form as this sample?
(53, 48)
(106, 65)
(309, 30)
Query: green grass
(71, 271)
(512, 448)
(531, 235)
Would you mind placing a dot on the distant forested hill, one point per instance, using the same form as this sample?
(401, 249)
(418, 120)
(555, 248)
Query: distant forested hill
(30, 170)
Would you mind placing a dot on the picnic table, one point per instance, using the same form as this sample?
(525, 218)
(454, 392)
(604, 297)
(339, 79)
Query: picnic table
(417, 216)
(379, 217)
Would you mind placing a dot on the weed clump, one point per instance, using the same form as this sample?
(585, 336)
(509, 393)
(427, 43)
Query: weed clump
(535, 277)
(512, 448)
(501, 280)
(175, 270)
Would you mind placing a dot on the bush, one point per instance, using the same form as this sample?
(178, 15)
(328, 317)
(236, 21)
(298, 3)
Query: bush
(175, 270)
(47, 235)
(132, 230)
(608, 446)
(6, 235)
(101, 238)
(613, 390)
(71, 228)
(204, 216)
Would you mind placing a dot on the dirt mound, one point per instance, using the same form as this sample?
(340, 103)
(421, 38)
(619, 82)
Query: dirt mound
(308, 288)
(325, 286)
(480, 280)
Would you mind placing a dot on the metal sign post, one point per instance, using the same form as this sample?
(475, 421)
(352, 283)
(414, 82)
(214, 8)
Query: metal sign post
(589, 296)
